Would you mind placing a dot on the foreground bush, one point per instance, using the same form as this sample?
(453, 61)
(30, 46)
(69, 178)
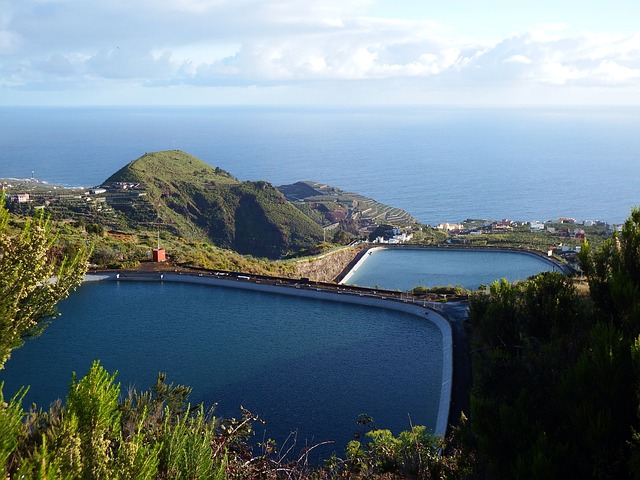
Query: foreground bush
(157, 435)
(556, 372)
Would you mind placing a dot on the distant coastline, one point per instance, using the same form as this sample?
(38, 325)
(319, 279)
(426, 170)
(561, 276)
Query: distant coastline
(438, 164)
(46, 186)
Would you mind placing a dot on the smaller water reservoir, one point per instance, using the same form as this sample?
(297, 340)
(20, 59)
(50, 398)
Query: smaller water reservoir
(406, 268)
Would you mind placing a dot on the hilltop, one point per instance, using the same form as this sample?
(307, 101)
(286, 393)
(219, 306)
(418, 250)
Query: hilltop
(200, 202)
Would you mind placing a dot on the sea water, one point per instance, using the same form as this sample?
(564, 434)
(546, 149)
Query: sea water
(305, 366)
(439, 164)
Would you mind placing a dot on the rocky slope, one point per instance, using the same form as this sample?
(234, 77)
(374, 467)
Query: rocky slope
(328, 267)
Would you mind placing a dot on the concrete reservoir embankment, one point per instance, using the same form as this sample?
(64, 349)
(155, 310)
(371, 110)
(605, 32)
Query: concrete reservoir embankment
(308, 291)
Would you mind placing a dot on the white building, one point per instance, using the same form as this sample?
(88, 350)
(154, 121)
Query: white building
(536, 226)
(20, 198)
(450, 226)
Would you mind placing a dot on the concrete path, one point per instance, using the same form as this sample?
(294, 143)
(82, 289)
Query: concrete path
(457, 314)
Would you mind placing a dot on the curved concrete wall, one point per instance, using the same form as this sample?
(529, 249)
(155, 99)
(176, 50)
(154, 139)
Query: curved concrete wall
(319, 293)
(359, 263)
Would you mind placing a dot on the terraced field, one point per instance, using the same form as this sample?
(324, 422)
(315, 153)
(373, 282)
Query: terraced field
(328, 200)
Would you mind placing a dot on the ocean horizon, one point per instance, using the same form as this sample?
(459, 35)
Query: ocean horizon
(438, 164)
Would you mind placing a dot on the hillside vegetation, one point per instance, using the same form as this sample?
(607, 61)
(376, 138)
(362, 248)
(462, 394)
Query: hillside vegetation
(352, 212)
(556, 370)
(200, 202)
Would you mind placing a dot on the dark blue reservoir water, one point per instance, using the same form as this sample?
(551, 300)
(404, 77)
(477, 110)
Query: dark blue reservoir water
(303, 365)
(406, 268)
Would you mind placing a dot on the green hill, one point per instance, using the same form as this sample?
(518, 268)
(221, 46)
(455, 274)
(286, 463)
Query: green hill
(198, 201)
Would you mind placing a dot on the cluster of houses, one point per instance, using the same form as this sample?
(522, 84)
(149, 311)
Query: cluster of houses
(564, 227)
(111, 186)
(478, 227)
(569, 227)
(46, 198)
(52, 194)
(394, 236)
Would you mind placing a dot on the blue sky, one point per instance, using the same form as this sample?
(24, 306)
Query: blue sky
(329, 52)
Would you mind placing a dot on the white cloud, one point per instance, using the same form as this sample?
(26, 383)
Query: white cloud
(518, 59)
(612, 73)
(9, 42)
(557, 73)
(57, 65)
(200, 53)
(547, 32)
(227, 43)
(122, 63)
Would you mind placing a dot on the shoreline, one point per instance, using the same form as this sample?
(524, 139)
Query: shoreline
(293, 288)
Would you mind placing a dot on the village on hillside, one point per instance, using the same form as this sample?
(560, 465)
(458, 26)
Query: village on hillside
(330, 207)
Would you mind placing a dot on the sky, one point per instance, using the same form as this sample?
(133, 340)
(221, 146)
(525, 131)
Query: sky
(499, 53)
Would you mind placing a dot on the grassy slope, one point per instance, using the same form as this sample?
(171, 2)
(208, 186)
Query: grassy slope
(201, 202)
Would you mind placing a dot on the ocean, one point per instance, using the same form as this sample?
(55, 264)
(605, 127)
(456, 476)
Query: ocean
(439, 164)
